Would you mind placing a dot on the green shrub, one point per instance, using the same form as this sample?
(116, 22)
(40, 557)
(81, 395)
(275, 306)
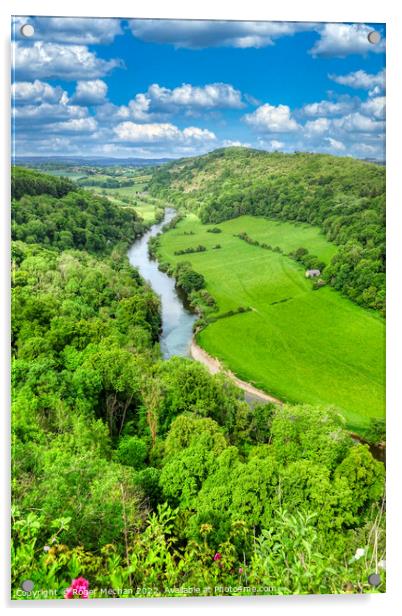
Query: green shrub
(131, 451)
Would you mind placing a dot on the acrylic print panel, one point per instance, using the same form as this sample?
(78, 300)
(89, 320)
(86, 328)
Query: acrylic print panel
(198, 308)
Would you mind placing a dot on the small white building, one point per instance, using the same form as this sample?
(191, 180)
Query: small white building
(312, 273)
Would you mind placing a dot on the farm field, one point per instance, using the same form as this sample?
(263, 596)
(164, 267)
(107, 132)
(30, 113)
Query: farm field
(146, 209)
(298, 344)
(124, 191)
(71, 175)
(129, 196)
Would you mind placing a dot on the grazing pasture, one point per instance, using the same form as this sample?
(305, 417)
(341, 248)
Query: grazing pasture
(299, 344)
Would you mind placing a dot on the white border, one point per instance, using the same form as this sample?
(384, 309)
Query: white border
(387, 11)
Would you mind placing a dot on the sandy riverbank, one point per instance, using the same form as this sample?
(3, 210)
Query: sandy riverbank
(214, 366)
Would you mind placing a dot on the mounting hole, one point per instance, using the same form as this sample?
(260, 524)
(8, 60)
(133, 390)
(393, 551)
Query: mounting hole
(374, 37)
(27, 585)
(27, 30)
(374, 579)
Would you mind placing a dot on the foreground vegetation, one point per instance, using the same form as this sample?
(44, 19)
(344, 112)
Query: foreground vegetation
(134, 476)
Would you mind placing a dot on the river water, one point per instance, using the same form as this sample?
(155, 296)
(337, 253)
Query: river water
(177, 320)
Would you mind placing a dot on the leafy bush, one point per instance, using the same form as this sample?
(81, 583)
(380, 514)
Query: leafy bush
(131, 451)
(187, 278)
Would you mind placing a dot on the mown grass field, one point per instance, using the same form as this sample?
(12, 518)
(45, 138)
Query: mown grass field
(312, 346)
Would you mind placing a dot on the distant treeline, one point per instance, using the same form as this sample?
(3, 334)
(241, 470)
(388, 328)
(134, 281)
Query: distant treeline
(105, 183)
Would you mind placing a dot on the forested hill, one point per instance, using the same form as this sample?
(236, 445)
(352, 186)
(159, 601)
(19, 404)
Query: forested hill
(27, 182)
(345, 197)
(56, 212)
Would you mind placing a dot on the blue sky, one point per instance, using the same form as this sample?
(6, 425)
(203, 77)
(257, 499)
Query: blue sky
(152, 88)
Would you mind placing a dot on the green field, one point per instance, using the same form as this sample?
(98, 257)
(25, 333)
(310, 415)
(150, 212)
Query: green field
(146, 211)
(312, 346)
(124, 191)
(145, 208)
(71, 175)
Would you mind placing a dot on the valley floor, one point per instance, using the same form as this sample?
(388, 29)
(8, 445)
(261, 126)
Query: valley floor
(295, 343)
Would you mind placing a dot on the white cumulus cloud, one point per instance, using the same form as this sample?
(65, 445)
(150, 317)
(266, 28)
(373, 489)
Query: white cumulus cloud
(210, 96)
(81, 125)
(230, 143)
(361, 80)
(336, 145)
(92, 92)
(71, 30)
(47, 112)
(341, 40)
(160, 132)
(272, 119)
(328, 108)
(44, 60)
(200, 34)
(37, 92)
(160, 101)
(374, 107)
(359, 123)
(317, 127)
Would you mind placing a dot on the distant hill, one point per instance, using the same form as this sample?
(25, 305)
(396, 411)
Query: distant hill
(33, 161)
(344, 196)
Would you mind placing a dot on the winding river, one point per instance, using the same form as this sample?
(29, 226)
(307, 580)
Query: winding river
(177, 321)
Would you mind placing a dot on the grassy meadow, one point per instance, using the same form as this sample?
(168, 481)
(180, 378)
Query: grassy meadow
(129, 196)
(299, 344)
(125, 191)
(124, 196)
(145, 209)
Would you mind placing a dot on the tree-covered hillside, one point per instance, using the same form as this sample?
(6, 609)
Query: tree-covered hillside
(154, 478)
(345, 197)
(29, 182)
(55, 212)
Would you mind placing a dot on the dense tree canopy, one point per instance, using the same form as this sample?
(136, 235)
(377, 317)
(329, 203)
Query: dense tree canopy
(27, 182)
(54, 212)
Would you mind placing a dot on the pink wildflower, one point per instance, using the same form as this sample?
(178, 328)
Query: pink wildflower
(218, 556)
(78, 589)
(240, 570)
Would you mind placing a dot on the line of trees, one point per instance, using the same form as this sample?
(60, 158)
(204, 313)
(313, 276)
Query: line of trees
(190, 250)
